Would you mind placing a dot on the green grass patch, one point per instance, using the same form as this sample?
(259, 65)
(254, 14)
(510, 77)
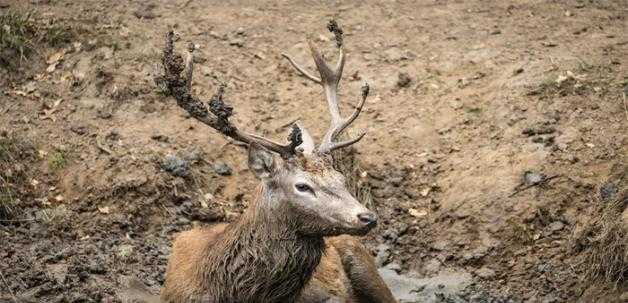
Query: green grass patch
(21, 34)
(57, 160)
(17, 31)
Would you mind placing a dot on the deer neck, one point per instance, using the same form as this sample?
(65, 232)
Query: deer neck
(261, 257)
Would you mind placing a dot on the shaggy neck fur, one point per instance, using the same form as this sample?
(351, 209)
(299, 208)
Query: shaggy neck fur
(260, 258)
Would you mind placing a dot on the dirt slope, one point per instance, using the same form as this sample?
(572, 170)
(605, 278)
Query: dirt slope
(467, 96)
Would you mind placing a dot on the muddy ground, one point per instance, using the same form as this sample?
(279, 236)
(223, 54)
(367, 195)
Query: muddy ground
(497, 130)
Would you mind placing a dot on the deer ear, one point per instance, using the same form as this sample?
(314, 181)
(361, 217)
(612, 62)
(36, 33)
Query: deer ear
(261, 161)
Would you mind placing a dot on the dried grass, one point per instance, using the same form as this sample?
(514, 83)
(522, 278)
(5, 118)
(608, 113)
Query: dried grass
(15, 155)
(604, 240)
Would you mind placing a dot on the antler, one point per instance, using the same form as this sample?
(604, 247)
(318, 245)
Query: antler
(180, 87)
(329, 79)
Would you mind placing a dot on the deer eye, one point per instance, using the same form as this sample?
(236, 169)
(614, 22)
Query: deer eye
(302, 187)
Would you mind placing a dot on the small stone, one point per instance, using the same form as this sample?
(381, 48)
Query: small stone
(418, 213)
(403, 80)
(383, 254)
(393, 54)
(485, 273)
(30, 87)
(79, 129)
(556, 226)
(160, 138)
(608, 191)
(432, 266)
(58, 271)
(394, 266)
(222, 169)
(543, 267)
(439, 245)
(531, 178)
(239, 42)
(561, 78)
(455, 104)
(391, 235)
(176, 166)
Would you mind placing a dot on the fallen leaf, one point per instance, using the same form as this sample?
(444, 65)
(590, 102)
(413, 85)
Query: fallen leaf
(417, 212)
(19, 93)
(56, 57)
(51, 68)
(47, 113)
(425, 192)
(104, 210)
(54, 104)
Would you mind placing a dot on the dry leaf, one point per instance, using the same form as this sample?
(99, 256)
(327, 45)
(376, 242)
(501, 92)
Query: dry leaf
(104, 210)
(19, 93)
(56, 57)
(51, 68)
(417, 212)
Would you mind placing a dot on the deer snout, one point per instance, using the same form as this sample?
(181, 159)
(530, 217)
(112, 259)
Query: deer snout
(368, 219)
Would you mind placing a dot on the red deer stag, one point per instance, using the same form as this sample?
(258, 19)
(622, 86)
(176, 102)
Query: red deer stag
(277, 250)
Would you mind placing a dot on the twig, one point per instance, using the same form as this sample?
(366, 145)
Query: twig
(102, 147)
(544, 181)
(8, 287)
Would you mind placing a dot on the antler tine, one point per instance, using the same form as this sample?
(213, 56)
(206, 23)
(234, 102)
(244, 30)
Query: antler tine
(303, 72)
(180, 87)
(329, 79)
(356, 112)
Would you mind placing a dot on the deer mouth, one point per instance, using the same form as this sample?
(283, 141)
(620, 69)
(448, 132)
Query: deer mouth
(359, 229)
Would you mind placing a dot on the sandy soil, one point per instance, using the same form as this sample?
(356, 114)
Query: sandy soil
(493, 127)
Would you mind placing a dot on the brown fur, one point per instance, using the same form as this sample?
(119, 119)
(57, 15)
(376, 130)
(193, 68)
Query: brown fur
(271, 253)
(257, 259)
(346, 272)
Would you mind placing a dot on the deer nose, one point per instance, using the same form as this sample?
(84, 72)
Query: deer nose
(368, 219)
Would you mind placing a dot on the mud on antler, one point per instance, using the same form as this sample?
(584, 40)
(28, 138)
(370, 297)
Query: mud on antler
(216, 112)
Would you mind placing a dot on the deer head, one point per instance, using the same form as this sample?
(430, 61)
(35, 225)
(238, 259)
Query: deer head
(298, 178)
